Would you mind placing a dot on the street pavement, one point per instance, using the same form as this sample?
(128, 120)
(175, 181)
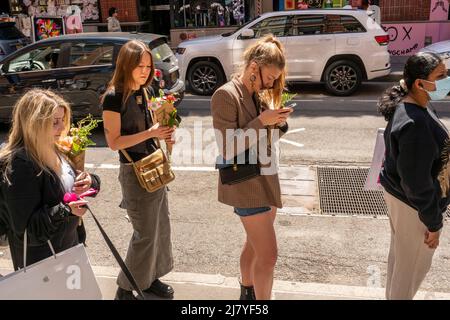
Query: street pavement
(327, 257)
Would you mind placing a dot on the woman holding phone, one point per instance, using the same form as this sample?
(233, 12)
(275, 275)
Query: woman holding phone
(35, 175)
(250, 105)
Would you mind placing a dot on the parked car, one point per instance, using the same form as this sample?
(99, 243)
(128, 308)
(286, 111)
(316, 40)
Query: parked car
(79, 67)
(11, 39)
(339, 47)
(442, 48)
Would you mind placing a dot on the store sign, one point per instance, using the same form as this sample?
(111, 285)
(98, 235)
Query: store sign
(47, 27)
(405, 39)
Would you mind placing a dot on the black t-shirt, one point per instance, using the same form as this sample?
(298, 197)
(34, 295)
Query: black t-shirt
(134, 118)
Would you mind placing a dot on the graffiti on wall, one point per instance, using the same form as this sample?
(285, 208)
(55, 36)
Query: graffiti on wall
(405, 39)
(439, 10)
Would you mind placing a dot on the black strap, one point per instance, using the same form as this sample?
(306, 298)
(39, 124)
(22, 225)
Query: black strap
(119, 260)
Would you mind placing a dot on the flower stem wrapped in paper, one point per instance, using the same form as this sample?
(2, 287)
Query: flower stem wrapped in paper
(74, 145)
(165, 112)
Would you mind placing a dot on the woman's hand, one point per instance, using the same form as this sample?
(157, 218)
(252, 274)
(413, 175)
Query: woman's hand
(82, 182)
(77, 207)
(270, 117)
(432, 239)
(161, 132)
(171, 141)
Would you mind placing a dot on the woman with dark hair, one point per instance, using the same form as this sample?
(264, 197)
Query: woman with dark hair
(128, 127)
(113, 22)
(415, 173)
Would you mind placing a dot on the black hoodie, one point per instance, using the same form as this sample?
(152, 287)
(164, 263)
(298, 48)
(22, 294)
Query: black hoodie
(415, 153)
(33, 200)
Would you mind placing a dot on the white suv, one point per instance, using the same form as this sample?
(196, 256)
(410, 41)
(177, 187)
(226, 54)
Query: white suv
(338, 47)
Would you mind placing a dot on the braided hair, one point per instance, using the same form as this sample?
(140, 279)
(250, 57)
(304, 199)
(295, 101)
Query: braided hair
(418, 66)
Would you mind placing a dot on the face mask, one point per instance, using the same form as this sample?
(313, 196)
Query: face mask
(442, 89)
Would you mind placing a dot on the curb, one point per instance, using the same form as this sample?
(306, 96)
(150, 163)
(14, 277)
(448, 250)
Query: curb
(282, 290)
(196, 286)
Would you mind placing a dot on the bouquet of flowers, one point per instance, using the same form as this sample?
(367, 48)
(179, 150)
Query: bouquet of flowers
(74, 145)
(286, 97)
(165, 112)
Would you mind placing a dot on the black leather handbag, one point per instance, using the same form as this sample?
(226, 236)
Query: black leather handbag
(234, 172)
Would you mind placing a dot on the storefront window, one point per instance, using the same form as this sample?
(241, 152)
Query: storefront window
(88, 9)
(210, 13)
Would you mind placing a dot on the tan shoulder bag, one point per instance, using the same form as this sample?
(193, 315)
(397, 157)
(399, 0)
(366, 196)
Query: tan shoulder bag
(153, 171)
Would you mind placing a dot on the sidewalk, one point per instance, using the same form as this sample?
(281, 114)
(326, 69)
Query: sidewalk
(195, 286)
(299, 189)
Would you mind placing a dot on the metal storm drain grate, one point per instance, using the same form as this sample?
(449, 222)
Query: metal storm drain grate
(341, 193)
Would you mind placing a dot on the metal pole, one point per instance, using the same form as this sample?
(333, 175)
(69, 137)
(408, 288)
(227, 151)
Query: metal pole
(171, 13)
(184, 13)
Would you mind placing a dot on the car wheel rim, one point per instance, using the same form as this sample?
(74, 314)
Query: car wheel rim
(204, 79)
(343, 78)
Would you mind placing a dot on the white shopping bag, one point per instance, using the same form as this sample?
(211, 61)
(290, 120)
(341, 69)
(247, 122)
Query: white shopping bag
(67, 275)
(373, 181)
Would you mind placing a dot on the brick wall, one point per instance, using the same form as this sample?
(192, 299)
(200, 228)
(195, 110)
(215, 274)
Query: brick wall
(128, 11)
(405, 10)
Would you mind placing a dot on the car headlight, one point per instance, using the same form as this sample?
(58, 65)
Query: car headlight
(180, 50)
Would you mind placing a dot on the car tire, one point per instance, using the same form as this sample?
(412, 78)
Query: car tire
(205, 77)
(342, 77)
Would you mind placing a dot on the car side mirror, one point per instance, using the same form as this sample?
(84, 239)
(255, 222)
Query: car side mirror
(247, 34)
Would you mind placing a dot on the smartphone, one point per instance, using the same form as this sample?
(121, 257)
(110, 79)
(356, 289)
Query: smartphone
(292, 105)
(91, 192)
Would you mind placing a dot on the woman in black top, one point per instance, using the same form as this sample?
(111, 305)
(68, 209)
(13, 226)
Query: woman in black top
(34, 178)
(415, 172)
(128, 125)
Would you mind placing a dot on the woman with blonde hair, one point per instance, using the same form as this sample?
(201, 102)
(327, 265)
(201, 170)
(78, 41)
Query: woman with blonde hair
(128, 126)
(35, 175)
(249, 105)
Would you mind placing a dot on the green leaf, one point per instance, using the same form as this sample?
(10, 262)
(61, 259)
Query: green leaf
(286, 97)
(80, 133)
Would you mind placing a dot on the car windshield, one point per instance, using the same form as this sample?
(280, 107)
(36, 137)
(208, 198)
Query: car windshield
(10, 33)
(37, 59)
(227, 34)
(160, 50)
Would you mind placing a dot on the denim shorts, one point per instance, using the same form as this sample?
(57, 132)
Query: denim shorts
(245, 212)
